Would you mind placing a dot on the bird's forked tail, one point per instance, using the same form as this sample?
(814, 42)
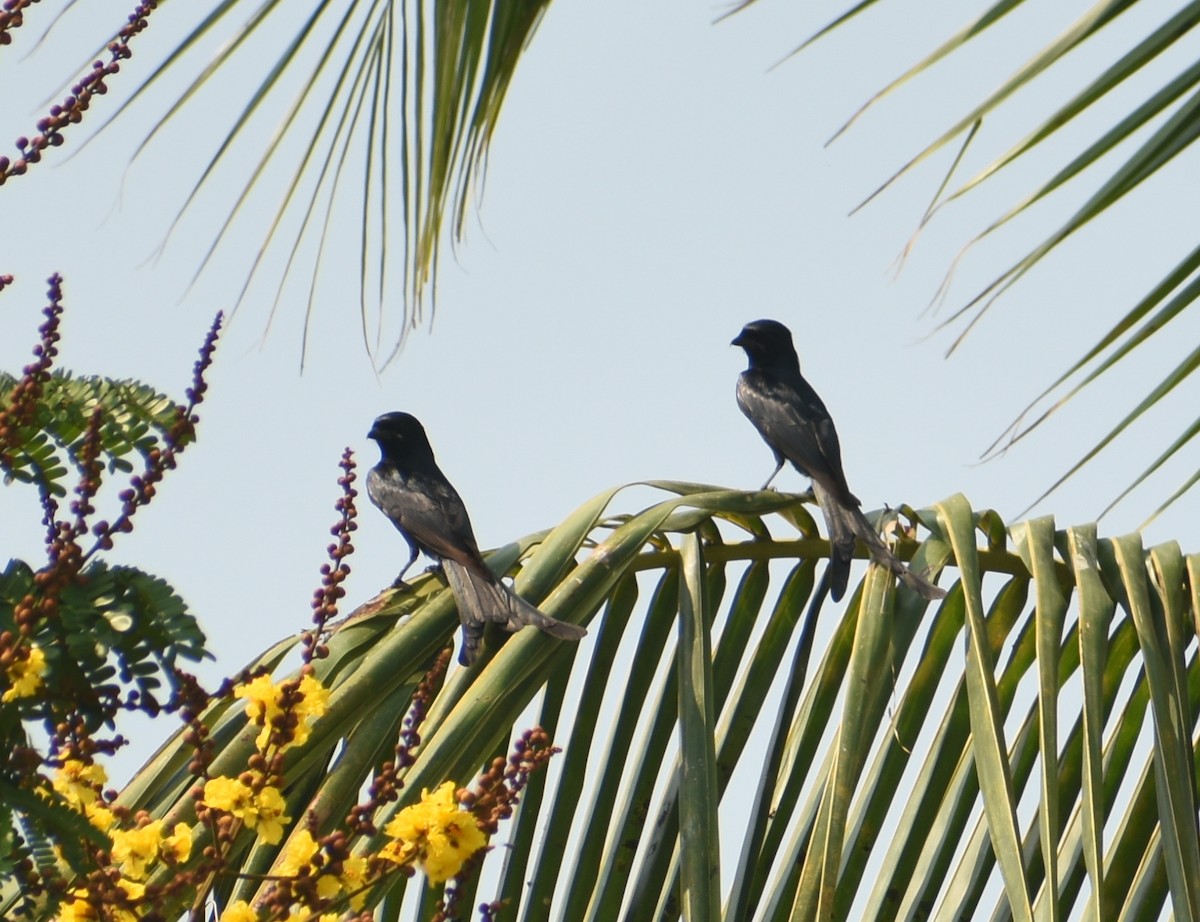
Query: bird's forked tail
(845, 524)
(481, 600)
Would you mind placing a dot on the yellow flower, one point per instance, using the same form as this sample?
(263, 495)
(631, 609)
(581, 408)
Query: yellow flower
(304, 914)
(263, 706)
(328, 886)
(228, 794)
(297, 854)
(133, 889)
(134, 849)
(100, 816)
(262, 699)
(399, 852)
(450, 847)
(312, 706)
(177, 847)
(240, 911)
(435, 834)
(79, 782)
(298, 857)
(316, 698)
(261, 811)
(77, 908)
(25, 675)
(265, 815)
(354, 876)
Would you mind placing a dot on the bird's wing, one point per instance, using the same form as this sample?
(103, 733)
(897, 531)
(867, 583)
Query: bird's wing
(793, 421)
(429, 510)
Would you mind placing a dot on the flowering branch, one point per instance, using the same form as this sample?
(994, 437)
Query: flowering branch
(12, 16)
(50, 128)
(325, 599)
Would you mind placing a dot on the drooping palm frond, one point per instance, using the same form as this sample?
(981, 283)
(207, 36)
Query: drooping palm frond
(1169, 121)
(385, 94)
(734, 745)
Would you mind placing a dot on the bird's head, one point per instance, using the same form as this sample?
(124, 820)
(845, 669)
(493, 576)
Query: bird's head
(400, 435)
(768, 343)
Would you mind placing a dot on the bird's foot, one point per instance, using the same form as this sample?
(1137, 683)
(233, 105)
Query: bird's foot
(400, 585)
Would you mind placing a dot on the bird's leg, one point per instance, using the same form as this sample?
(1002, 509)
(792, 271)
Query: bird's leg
(398, 582)
(774, 473)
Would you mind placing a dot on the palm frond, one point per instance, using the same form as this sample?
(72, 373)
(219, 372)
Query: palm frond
(735, 745)
(377, 85)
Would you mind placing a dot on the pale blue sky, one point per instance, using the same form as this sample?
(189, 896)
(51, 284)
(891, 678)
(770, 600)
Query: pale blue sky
(653, 186)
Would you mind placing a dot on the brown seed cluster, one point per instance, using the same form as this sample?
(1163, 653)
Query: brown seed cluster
(21, 410)
(70, 112)
(448, 909)
(333, 574)
(12, 16)
(498, 790)
(190, 701)
(20, 413)
(430, 685)
(385, 786)
(143, 488)
(496, 794)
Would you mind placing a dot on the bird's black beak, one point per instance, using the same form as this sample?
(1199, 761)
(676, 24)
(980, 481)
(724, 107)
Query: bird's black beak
(374, 433)
(739, 340)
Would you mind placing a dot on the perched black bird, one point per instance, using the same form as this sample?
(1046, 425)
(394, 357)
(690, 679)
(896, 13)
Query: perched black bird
(793, 421)
(411, 490)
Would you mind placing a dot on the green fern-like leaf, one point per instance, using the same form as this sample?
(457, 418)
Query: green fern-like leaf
(116, 627)
(47, 824)
(136, 419)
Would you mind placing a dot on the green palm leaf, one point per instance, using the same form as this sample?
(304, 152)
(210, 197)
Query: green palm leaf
(735, 747)
(379, 86)
(135, 418)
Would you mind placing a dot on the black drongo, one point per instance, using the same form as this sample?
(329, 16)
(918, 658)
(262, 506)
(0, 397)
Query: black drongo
(411, 490)
(793, 421)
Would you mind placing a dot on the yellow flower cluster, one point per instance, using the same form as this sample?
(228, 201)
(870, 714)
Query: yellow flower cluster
(434, 834)
(297, 860)
(25, 675)
(264, 706)
(79, 908)
(241, 911)
(136, 849)
(79, 783)
(261, 810)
